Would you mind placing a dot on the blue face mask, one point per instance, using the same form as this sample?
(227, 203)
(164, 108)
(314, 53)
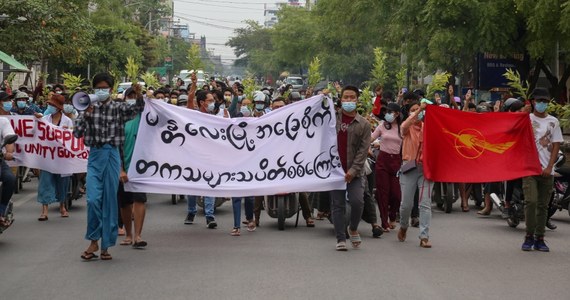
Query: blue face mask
(211, 107)
(50, 110)
(540, 107)
(245, 111)
(21, 104)
(421, 115)
(131, 101)
(7, 105)
(68, 108)
(259, 107)
(349, 106)
(102, 94)
(389, 117)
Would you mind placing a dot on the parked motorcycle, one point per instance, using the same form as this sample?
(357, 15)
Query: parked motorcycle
(282, 206)
(559, 199)
(445, 194)
(9, 213)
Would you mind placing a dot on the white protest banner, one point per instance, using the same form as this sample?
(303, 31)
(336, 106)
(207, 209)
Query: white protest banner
(44, 146)
(186, 152)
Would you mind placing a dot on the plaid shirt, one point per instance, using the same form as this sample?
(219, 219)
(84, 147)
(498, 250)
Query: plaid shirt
(106, 123)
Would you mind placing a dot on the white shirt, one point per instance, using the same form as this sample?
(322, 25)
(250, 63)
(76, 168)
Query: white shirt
(546, 131)
(65, 123)
(5, 128)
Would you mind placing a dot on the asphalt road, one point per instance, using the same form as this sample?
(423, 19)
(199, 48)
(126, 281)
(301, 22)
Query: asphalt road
(472, 258)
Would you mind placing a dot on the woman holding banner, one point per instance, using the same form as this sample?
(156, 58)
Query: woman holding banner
(53, 187)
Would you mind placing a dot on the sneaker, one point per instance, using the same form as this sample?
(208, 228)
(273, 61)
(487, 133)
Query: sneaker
(550, 225)
(528, 243)
(341, 246)
(189, 219)
(211, 223)
(540, 245)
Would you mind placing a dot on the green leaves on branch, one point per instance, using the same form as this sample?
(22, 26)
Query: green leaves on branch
(132, 69)
(438, 83)
(519, 87)
(365, 103)
(194, 58)
(249, 87)
(401, 78)
(150, 79)
(315, 72)
(71, 82)
(379, 74)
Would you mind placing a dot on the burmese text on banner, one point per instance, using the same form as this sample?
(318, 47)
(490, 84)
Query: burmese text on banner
(471, 147)
(42, 145)
(182, 151)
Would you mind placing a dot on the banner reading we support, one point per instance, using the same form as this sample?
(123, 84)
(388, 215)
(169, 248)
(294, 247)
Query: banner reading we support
(471, 147)
(44, 146)
(182, 151)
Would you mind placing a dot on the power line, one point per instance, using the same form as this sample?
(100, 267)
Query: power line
(222, 6)
(217, 20)
(206, 24)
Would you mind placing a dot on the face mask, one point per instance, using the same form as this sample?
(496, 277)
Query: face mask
(349, 106)
(228, 98)
(59, 92)
(540, 107)
(31, 99)
(240, 98)
(259, 107)
(21, 104)
(245, 111)
(7, 105)
(166, 100)
(68, 108)
(131, 101)
(102, 94)
(211, 107)
(222, 107)
(389, 117)
(421, 115)
(50, 110)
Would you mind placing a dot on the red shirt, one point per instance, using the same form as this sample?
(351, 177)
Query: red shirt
(342, 140)
(377, 105)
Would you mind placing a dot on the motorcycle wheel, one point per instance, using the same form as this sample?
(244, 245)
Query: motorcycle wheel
(448, 203)
(174, 199)
(436, 195)
(513, 222)
(281, 212)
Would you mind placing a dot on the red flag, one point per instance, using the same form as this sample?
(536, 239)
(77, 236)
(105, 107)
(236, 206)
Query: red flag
(471, 147)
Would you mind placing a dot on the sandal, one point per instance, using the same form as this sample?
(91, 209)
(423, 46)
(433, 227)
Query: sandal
(341, 246)
(106, 256)
(465, 208)
(140, 244)
(251, 226)
(424, 243)
(126, 242)
(43, 218)
(402, 234)
(88, 255)
(310, 222)
(235, 232)
(393, 225)
(355, 240)
(64, 214)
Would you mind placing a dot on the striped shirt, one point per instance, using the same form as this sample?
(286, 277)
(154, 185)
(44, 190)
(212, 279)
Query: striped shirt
(106, 123)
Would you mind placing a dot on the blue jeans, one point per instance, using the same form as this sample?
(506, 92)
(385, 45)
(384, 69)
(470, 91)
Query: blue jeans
(209, 205)
(409, 183)
(248, 205)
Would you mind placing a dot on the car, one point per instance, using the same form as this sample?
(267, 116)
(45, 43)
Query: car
(297, 83)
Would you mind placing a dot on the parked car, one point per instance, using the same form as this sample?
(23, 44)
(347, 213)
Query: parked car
(297, 83)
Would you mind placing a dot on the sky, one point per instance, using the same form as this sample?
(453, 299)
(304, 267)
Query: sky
(216, 19)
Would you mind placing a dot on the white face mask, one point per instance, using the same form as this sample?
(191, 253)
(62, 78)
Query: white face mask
(131, 101)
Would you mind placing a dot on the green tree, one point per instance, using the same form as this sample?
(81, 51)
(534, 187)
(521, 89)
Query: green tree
(194, 58)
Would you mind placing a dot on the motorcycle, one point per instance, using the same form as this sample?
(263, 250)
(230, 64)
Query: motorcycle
(561, 193)
(445, 194)
(558, 199)
(9, 213)
(282, 206)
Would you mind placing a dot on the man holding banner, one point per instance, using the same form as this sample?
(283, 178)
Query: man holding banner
(538, 189)
(102, 125)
